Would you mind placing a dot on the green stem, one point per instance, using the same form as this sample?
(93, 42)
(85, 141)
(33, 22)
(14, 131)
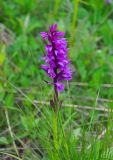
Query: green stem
(55, 123)
(74, 19)
(55, 135)
(57, 3)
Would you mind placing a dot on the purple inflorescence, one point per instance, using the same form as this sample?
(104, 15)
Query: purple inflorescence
(108, 1)
(56, 57)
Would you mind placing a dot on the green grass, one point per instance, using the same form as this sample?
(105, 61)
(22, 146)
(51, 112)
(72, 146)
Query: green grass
(29, 129)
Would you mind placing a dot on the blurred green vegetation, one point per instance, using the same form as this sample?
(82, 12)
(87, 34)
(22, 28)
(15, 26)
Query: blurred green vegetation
(88, 25)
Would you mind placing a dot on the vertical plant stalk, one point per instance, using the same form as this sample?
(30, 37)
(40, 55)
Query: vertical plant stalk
(56, 7)
(56, 100)
(74, 19)
(55, 81)
(10, 131)
(55, 119)
(55, 116)
(55, 136)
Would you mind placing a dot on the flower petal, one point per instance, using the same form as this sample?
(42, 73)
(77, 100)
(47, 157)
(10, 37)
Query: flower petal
(44, 35)
(53, 28)
(60, 34)
(60, 87)
(44, 67)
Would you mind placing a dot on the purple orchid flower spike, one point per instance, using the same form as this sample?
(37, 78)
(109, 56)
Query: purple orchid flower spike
(56, 58)
(108, 1)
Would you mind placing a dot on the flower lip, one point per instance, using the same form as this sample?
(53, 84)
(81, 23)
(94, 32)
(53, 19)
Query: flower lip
(60, 34)
(44, 67)
(60, 87)
(44, 35)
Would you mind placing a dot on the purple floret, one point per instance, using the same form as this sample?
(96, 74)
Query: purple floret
(56, 57)
(108, 1)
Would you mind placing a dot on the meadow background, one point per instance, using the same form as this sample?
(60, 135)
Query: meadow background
(85, 125)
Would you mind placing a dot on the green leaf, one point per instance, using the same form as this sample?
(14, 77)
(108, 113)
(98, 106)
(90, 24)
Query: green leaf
(3, 140)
